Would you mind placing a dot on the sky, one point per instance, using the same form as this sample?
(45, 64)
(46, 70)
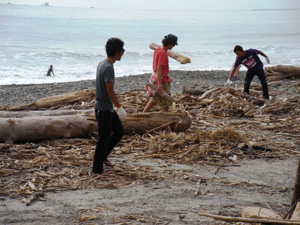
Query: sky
(168, 4)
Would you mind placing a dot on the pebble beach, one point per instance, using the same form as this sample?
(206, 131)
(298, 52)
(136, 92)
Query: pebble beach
(16, 95)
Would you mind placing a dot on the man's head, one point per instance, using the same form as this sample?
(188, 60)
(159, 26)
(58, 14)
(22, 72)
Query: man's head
(239, 51)
(170, 39)
(114, 47)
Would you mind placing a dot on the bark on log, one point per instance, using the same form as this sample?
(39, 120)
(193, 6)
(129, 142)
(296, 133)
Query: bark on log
(141, 122)
(178, 57)
(83, 124)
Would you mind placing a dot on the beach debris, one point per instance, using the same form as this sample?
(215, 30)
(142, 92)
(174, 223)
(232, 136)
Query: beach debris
(174, 55)
(34, 197)
(217, 131)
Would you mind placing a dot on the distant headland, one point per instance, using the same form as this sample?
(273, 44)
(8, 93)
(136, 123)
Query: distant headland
(46, 4)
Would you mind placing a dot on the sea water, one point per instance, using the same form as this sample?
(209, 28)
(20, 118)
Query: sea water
(73, 39)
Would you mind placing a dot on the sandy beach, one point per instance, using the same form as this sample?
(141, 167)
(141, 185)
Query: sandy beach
(156, 190)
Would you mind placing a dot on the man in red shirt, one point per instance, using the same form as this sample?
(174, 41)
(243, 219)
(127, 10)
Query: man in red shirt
(160, 76)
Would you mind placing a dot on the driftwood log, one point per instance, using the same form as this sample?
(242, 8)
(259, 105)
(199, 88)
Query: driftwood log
(280, 72)
(24, 126)
(178, 57)
(55, 101)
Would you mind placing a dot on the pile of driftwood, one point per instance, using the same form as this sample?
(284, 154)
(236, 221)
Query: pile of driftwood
(65, 163)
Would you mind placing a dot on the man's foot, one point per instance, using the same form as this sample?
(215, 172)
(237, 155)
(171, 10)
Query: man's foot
(108, 163)
(266, 99)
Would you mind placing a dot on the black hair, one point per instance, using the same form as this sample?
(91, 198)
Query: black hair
(238, 48)
(114, 45)
(166, 42)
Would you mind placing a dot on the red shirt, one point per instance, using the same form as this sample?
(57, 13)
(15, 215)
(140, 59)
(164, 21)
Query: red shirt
(160, 58)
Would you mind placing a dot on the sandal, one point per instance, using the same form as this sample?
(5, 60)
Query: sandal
(108, 163)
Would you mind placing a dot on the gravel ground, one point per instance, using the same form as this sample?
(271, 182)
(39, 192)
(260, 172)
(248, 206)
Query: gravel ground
(23, 94)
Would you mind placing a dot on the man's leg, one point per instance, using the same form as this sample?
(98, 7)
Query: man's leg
(149, 106)
(116, 134)
(263, 81)
(248, 79)
(104, 135)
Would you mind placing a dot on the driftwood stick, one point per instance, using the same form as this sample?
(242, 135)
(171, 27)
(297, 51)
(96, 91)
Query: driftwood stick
(158, 155)
(250, 220)
(34, 197)
(296, 193)
(178, 57)
(156, 128)
(163, 94)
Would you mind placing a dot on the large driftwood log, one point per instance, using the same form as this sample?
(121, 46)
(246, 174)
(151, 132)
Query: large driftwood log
(44, 127)
(83, 124)
(178, 57)
(280, 72)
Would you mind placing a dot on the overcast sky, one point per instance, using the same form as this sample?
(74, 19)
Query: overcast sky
(168, 4)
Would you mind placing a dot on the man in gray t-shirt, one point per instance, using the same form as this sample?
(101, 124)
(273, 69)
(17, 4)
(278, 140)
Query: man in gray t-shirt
(105, 73)
(110, 128)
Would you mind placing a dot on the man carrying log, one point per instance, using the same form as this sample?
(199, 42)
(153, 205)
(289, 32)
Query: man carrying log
(110, 128)
(160, 75)
(250, 59)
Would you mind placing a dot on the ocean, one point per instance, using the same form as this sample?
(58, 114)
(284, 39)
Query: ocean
(72, 39)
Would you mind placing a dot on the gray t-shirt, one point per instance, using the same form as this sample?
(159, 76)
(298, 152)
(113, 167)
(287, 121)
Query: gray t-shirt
(105, 73)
